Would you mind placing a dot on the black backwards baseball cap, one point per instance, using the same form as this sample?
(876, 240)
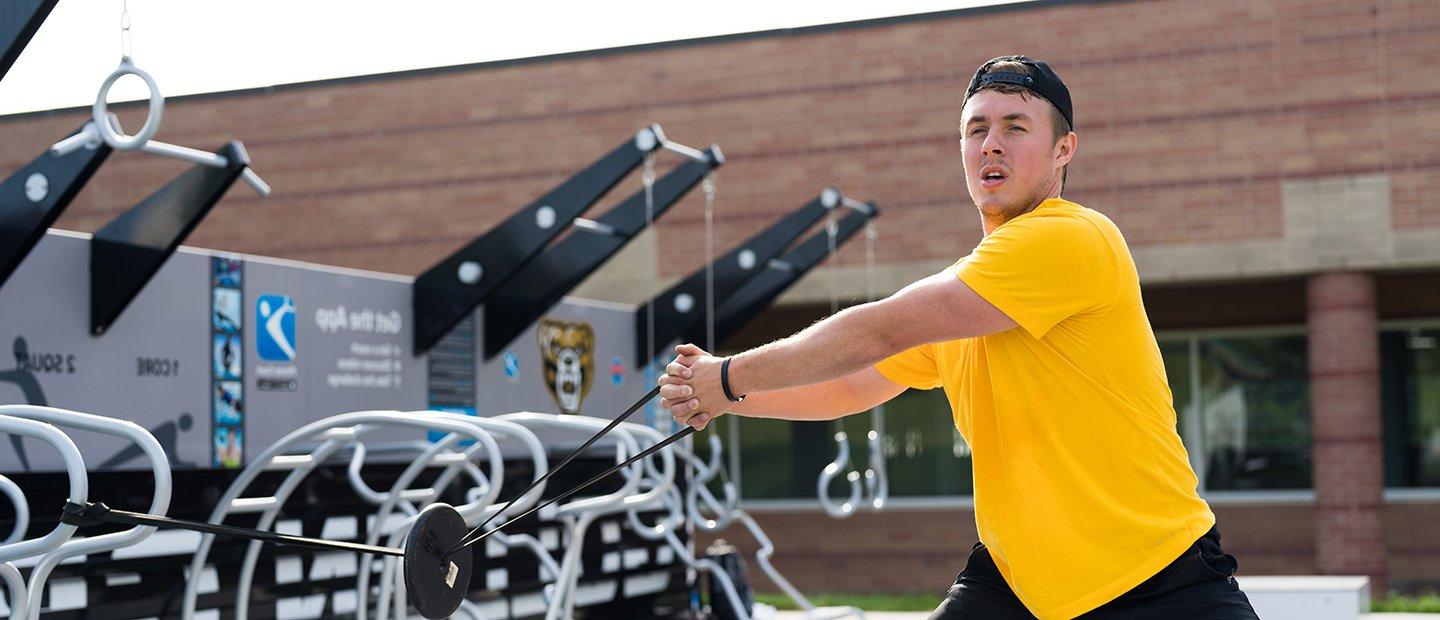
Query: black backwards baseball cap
(1043, 82)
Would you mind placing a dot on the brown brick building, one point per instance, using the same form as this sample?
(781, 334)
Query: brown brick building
(1272, 164)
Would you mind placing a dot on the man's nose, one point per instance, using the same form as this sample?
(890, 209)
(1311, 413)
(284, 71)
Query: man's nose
(993, 143)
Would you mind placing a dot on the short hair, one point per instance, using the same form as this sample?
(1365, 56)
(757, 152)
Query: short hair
(1059, 127)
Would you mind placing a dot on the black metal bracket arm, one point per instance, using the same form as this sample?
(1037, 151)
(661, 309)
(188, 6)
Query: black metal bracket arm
(742, 306)
(452, 289)
(35, 196)
(561, 267)
(19, 19)
(683, 306)
(129, 250)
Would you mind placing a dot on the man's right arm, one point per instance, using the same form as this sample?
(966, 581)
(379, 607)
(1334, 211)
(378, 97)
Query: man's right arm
(853, 393)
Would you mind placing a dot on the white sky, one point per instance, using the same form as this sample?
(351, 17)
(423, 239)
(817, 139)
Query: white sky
(199, 46)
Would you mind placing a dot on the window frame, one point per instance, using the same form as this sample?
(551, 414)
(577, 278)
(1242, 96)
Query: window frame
(1408, 494)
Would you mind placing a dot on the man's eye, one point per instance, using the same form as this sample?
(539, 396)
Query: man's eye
(976, 130)
(1017, 128)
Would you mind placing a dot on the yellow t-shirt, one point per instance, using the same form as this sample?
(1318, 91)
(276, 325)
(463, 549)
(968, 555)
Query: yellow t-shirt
(1082, 487)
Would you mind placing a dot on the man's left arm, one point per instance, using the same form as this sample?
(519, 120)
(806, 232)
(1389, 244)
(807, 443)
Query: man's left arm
(935, 309)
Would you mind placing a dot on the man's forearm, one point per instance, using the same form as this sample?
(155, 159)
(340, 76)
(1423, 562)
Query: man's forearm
(837, 346)
(821, 401)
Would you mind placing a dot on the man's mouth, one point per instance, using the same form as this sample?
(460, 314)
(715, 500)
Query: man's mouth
(992, 177)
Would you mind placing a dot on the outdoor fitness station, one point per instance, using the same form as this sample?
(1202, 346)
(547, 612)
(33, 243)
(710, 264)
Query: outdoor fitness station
(207, 434)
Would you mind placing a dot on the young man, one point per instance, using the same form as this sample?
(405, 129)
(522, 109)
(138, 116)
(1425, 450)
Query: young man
(1085, 501)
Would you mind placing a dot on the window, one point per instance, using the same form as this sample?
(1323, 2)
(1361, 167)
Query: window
(1242, 403)
(924, 454)
(768, 459)
(1410, 405)
(1242, 406)
(1254, 403)
(1176, 355)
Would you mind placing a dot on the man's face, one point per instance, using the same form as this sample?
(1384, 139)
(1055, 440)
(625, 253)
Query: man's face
(1012, 162)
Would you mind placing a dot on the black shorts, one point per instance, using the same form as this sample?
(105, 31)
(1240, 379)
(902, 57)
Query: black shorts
(1198, 584)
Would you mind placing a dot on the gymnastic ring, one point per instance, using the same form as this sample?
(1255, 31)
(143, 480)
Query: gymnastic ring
(114, 135)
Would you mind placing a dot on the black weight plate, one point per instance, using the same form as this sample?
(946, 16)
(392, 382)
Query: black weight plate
(434, 583)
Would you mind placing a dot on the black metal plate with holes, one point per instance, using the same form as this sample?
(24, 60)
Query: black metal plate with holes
(127, 252)
(35, 195)
(682, 307)
(442, 299)
(19, 19)
(565, 264)
(743, 305)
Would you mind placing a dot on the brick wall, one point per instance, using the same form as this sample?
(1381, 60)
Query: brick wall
(1191, 115)
(920, 550)
(1345, 425)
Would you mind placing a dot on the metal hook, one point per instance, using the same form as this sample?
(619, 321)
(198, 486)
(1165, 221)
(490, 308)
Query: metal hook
(841, 462)
(876, 486)
(699, 490)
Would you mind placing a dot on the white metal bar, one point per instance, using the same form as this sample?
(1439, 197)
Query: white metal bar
(242, 505)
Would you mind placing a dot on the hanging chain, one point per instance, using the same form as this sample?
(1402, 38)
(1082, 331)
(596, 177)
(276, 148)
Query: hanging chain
(709, 187)
(647, 178)
(125, 30)
(832, 230)
(870, 235)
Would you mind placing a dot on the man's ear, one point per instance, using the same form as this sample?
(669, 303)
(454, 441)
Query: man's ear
(1065, 149)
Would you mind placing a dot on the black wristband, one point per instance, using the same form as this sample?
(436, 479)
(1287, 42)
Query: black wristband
(725, 382)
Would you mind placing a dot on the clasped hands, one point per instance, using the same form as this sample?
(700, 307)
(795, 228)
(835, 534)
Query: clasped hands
(690, 388)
